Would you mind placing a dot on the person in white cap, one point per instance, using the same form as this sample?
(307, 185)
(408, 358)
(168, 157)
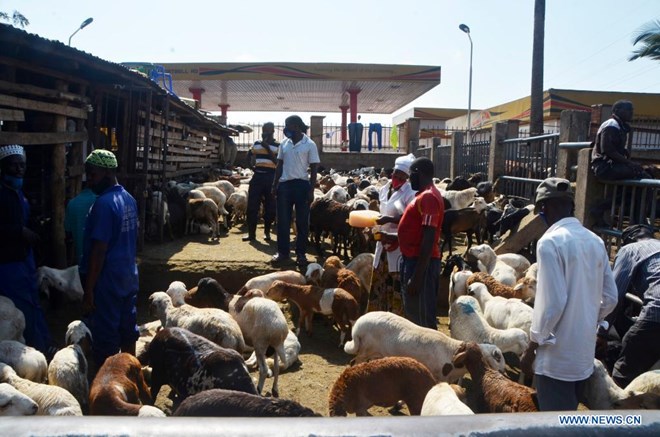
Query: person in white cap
(385, 294)
(17, 266)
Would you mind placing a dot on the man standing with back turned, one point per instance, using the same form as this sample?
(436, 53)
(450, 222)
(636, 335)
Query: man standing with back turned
(294, 187)
(575, 292)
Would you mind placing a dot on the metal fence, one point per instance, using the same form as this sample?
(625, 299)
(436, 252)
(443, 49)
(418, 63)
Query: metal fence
(646, 133)
(442, 158)
(381, 142)
(472, 158)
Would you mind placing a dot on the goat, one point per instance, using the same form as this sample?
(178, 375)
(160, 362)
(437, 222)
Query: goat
(118, 387)
(68, 369)
(15, 403)
(442, 400)
(28, 362)
(12, 321)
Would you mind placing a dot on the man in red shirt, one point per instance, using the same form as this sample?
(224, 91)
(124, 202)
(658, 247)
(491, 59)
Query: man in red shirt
(418, 237)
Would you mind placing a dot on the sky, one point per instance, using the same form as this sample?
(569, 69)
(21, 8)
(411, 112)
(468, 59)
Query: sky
(587, 42)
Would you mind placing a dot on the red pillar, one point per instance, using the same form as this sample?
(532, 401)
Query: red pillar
(353, 100)
(223, 113)
(197, 94)
(344, 133)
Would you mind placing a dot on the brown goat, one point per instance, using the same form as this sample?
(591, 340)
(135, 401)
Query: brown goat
(119, 387)
(347, 280)
(333, 262)
(311, 299)
(467, 220)
(382, 382)
(497, 393)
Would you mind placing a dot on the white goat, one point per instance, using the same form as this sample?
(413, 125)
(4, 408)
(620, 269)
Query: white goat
(68, 369)
(12, 321)
(500, 312)
(211, 323)
(381, 334)
(149, 411)
(67, 281)
(263, 324)
(460, 199)
(15, 403)
(52, 400)
(467, 324)
(238, 202)
(498, 269)
(28, 362)
(442, 400)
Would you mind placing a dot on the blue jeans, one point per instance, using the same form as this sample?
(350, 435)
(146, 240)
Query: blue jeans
(378, 129)
(421, 308)
(293, 193)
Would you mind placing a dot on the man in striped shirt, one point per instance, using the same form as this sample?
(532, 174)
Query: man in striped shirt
(637, 264)
(264, 153)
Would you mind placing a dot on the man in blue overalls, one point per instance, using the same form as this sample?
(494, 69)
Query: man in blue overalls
(108, 267)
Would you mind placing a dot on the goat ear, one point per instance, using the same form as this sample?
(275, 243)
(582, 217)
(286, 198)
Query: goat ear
(459, 359)
(518, 287)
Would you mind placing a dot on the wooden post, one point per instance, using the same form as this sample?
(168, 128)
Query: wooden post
(574, 127)
(57, 187)
(588, 191)
(456, 146)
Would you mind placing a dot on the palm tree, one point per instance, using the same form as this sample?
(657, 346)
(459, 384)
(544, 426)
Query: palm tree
(17, 18)
(649, 36)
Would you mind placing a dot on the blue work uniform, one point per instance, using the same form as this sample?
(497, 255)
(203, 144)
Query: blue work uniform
(113, 219)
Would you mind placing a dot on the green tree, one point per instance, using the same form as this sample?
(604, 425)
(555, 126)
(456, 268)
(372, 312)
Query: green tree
(17, 18)
(649, 36)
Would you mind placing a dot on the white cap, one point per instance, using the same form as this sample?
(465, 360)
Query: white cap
(403, 163)
(12, 149)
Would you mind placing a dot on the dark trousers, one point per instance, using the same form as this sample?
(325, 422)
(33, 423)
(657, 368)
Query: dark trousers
(378, 129)
(640, 349)
(556, 395)
(261, 186)
(355, 137)
(290, 194)
(421, 308)
(614, 171)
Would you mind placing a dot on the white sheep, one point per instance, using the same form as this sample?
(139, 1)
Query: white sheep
(68, 369)
(337, 193)
(263, 324)
(467, 324)
(15, 403)
(314, 273)
(363, 266)
(442, 400)
(518, 262)
(28, 362)
(202, 210)
(238, 202)
(78, 333)
(225, 186)
(458, 284)
(381, 334)
(601, 392)
(66, 281)
(500, 312)
(263, 282)
(291, 352)
(177, 292)
(499, 270)
(211, 323)
(52, 400)
(12, 321)
(460, 199)
(149, 411)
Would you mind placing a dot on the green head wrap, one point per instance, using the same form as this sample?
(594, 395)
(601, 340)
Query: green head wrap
(102, 158)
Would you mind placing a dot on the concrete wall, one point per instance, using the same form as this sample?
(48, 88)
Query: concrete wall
(345, 160)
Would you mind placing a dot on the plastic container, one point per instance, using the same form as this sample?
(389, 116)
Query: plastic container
(363, 218)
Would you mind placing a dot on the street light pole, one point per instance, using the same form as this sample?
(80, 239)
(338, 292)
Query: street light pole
(82, 26)
(466, 29)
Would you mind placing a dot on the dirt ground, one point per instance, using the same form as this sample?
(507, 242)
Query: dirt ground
(232, 262)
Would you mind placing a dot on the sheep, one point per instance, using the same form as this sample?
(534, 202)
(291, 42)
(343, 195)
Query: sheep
(327, 215)
(460, 199)
(263, 282)
(601, 392)
(28, 362)
(189, 364)
(150, 411)
(225, 186)
(500, 312)
(519, 263)
(333, 262)
(313, 274)
(380, 334)
(346, 280)
(177, 291)
(15, 403)
(211, 323)
(363, 266)
(68, 369)
(642, 401)
(204, 210)
(66, 281)
(52, 400)
(496, 268)
(158, 214)
(263, 325)
(468, 220)
(230, 403)
(237, 206)
(467, 324)
(119, 387)
(207, 294)
(497, 393)
(310, 299)
(458, 284)
(291, 352)
(442, 400)
(78, 333)
(383, 382)
(12, 321)
(496, 288)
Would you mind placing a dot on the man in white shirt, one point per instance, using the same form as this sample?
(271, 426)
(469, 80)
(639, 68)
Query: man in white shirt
(575, 292)
(294, 187)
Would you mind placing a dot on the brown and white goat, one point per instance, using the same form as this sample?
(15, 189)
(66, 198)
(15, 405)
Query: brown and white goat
(119, 388)
(382, 382)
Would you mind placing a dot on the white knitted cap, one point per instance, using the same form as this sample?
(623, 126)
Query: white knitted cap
(12, 149)
(403, 163)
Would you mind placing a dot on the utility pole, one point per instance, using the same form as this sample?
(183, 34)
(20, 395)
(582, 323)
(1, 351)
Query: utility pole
(536, 109)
